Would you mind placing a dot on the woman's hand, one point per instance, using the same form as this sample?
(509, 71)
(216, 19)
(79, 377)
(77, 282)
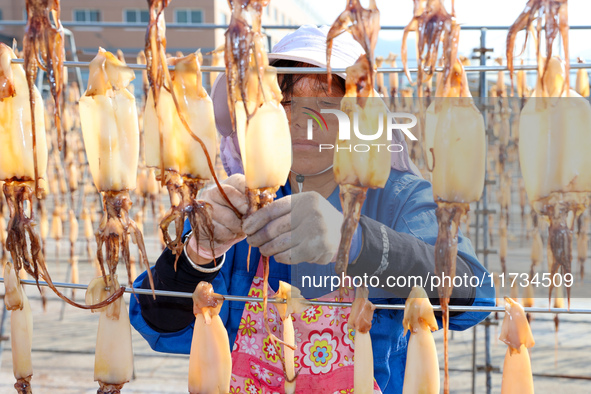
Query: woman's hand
(298, 228)
(227, 227)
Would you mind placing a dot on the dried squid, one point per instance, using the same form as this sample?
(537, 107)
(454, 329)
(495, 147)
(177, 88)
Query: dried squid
(111, 136)
(422, 367)
(262, 127)
(537, 247)
(180, 132)
(217, 60)
(141, 59)
(394, 82)
(516, 333)
(554, 160)
(355, 172)
(583, 242)
(553, 16)
(21, 330)
(582, 82)
(185, 164)
(455, 137)
(44, 47)
(113, 357)
(433, 25)
(18, 169)
(210, 363)
(380, 86)
(360, 321)
(294, 305)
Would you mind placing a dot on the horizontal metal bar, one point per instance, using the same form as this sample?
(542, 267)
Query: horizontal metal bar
(541, 375)
(321, 70)
(208, 26)
(486, 251)
(437, 308)
(485, 211)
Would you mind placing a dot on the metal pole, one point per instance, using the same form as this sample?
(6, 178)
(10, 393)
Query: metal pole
(2, 320)
(74, 51)
(436, 308)
(483, 89)
(209, 26)
(476, 240)
(474, 359)
(323, 70)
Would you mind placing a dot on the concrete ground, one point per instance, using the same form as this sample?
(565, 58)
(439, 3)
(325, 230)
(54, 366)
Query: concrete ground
(63, 347)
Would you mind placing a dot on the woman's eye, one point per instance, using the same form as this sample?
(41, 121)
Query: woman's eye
(329, 104)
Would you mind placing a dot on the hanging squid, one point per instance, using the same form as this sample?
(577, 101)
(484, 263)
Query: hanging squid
(185, 164)
(21, 330)
(360, 321)
(516, 333)
(455, 138)
(582, 82)
(422, 366)
(180, 132)
(217, 60)
(433, 25)
(394, 82)
(43, 47)
(555, 15)
(555, 163)
(113, 357)
(19, 170)
(355, 172)
(380, 86)
(294, 304)
(111, 136)
(537, 247)
(583, 242)
(261, 123)
(210, 362)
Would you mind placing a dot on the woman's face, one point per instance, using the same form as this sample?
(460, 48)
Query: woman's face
(311, 156)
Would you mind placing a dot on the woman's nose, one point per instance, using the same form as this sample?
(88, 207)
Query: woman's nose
(298, 120)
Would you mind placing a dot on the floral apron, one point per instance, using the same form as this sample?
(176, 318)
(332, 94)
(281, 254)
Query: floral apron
(324, 348)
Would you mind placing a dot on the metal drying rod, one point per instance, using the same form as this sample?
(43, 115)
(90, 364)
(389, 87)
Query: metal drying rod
(211, 26)
(452, 308)
(321, 70)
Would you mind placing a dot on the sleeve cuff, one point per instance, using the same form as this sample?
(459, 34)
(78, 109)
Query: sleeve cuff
(212, 267)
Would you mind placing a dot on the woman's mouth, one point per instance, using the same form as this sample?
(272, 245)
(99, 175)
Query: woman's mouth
(304, 144)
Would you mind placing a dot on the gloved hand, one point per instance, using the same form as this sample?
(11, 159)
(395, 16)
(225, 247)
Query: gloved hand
(298, 228)
(227, 227)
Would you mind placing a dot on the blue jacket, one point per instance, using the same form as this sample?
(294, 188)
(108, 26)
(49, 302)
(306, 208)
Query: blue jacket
(406, 205)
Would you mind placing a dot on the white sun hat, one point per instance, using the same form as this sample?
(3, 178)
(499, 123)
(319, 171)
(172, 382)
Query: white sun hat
(307, 45)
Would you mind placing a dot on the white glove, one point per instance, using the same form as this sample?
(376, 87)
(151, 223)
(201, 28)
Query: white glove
(298, 228)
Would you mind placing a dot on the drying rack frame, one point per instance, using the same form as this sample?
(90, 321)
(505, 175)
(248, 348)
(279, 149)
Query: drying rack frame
(483, 211)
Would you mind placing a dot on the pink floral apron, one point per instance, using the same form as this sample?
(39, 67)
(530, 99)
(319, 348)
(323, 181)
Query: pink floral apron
(324, 348)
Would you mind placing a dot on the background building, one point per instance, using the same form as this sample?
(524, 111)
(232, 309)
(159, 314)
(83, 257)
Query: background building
(134, 13)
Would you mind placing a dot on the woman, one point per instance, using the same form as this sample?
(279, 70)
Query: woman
(301, 229)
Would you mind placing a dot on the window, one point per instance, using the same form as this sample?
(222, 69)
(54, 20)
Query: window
(188, 16)
(87, 16)
(136, 16)
(224, 18)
